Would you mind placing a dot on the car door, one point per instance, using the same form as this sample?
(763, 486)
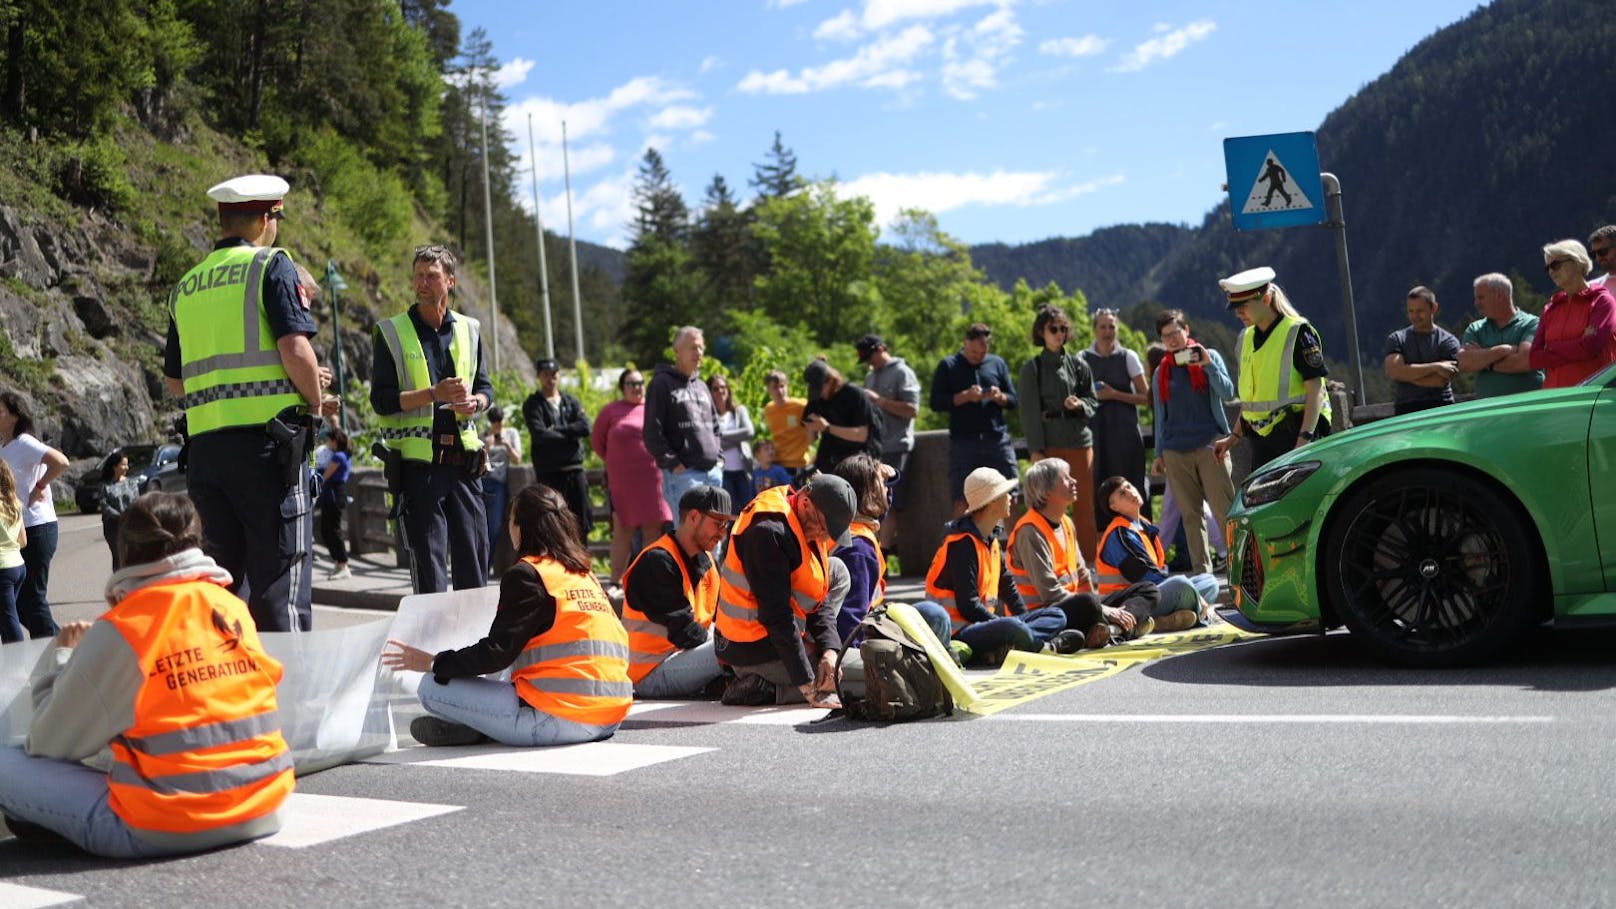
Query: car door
(1602, 480)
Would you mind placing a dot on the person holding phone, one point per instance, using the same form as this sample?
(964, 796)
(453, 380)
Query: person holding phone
(1192, 431)
(1057, 402)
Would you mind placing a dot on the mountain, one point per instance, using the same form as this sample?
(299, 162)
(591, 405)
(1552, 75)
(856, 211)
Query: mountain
(1485, 141)
(1115, 266)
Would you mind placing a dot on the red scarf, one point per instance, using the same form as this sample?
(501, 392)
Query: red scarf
(1165, 371)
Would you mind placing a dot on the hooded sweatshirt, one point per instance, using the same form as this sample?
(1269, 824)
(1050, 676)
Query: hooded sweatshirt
(681, 426)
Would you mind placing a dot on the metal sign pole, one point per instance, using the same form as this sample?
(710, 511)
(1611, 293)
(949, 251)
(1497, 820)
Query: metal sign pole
(1338, 223)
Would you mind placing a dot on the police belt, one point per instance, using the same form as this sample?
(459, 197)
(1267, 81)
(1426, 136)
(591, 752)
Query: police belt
(451, 457)
(1063, 414)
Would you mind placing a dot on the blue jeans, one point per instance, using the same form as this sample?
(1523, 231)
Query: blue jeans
(682, 674)
(1186, 592)
(33, 606)
(936, 618)
(676, 483)
(494, 709)
(739, 485)
(69, 799)
(966, 455)
(10, 581)
(495, 494)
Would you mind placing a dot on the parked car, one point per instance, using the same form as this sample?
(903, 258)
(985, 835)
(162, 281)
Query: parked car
(1438, 538)
(155, 466)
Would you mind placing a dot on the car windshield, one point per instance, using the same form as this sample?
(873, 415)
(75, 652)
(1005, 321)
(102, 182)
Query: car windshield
(140, 456)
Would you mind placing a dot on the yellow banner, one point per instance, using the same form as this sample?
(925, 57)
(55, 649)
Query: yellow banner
(1026, 677)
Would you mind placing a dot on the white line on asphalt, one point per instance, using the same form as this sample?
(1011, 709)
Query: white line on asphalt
(591, 759)
(1235, 718)
(16, 896)
(309, 820)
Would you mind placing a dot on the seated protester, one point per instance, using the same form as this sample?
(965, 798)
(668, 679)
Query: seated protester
(173, 679)
(1131, 551)
(555, 628)
(777, 603)
(1045, 562)
(866, 562)
(670, 594)
(969, 579)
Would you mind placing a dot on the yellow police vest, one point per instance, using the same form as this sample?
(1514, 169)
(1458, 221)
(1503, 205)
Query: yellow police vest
(1270, 385)
(229, 364)
(409, 432)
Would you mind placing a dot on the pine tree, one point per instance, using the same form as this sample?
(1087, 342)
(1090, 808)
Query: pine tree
(777, 176)
(724, 250)
(661, 287)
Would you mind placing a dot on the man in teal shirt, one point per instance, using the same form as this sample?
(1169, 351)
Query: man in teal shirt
(1496, 346)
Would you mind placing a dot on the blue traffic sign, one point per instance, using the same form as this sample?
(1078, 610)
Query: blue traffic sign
(1274, 181)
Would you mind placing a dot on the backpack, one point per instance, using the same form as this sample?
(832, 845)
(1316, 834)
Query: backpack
(899, 681)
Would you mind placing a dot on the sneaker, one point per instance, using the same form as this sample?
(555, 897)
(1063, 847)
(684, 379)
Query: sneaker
(994, 658)
(1178, 621)
(1069, 641)
(431, 730)
(339, 574)
(1143, 627)
(1102, 635)
(961, 652)
(749, 691)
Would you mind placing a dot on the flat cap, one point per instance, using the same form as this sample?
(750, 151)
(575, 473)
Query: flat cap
(1247, 284)
(253, 192)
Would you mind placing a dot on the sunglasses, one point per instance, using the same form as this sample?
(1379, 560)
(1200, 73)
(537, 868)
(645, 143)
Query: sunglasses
(1599, 252)
(1060, 329)
(638, 384)
(1555, 264)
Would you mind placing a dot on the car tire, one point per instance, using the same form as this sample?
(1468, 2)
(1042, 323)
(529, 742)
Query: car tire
(1430, 567)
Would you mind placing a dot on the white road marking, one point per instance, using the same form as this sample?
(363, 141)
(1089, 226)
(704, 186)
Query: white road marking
(16, 896)
(703, 713)
(591, 759)
(1298, 718)
(309, 820)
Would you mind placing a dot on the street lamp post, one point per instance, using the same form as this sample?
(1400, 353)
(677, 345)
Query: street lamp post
(334, 283)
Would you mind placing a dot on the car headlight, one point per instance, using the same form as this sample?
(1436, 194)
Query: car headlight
(1273, 485)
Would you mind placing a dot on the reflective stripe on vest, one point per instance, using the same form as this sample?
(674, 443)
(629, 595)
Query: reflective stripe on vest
(865, 531)
(577, 670)
(988, 564)
(1063, 556)
(737, 618)
(230, 365)
(647, 640)
(1109, 577)
(409, 432)
(205, 749)
(1268, 375)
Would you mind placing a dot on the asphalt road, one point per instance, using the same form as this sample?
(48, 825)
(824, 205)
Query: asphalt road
(1279, 772)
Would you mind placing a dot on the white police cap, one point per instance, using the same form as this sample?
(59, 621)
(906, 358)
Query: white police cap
(254, 192)
(1247, 284)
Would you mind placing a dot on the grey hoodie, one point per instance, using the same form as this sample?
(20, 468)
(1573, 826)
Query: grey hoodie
(681, 426)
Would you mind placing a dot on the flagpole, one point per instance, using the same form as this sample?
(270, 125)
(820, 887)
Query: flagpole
(488, 226)
(544, 273)
(572, 243)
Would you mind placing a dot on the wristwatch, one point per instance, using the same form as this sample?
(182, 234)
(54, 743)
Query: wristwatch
(1307, 434)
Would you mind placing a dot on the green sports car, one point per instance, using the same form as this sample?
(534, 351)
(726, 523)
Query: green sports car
(1438, 537)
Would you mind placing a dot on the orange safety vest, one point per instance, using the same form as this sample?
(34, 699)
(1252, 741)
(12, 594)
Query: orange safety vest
(205, 750)
(578, 670)
(860, 529)
(988, 564)
(1109, 576)
(648, 643)
(737, 605)
(1064, 555)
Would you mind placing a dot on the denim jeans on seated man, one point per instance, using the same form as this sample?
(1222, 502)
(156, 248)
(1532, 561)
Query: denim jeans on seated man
(683, 674)
(1183, 591)
(494, 709)
(1027, 631)
(675, 483)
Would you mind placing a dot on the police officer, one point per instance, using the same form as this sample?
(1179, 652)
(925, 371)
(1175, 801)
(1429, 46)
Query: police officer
(238, 354)
(1282, 400)
(427, 382)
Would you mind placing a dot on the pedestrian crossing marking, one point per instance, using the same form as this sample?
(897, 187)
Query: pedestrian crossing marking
(589, 759)
(311, 820)
(706, 713)
(16, 896)
(1275, 179)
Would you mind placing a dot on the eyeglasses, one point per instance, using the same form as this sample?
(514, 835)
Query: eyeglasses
(635, 384)
(1555, 264)
(1599, 252)
(1060, 329)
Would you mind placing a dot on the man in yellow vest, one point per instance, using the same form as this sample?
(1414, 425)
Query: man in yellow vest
(427, 382)
(670, 594)
(238, 354)
(1283, 404)
(777, 603)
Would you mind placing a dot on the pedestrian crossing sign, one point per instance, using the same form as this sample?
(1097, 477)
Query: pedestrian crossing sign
(1274, 181)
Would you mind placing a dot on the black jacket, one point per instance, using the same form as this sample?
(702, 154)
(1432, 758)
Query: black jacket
(558, 435)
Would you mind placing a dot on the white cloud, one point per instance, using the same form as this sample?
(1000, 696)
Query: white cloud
(882, 13)
(842, 27)
(513, 73)
(939, 192)
(785, 4)
(710, 63)
(700, 137)
(681, 116)
(874, 65)
(1086, 46)
(1168, 44)
(963, 78)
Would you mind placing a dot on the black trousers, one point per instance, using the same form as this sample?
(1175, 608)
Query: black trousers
(254, 526)
(574, 487)
(443, 516)
(331, 525)
(1265, 448)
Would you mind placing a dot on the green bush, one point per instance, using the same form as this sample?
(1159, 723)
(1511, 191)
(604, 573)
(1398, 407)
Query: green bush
(94, 173)
(373, 203)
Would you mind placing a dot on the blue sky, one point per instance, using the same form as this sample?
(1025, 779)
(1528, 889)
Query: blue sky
(1012, 120)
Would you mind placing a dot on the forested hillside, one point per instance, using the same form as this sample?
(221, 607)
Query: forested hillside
(1487, 140)
(1115, 266)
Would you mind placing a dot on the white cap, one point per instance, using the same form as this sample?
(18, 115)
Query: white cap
(983, 485)
(254, 192)
(1247, 284)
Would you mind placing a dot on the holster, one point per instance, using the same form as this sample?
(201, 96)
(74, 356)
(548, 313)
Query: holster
(477, 463)
(392, 468)
(293, 432)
